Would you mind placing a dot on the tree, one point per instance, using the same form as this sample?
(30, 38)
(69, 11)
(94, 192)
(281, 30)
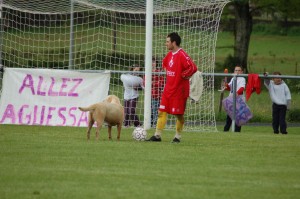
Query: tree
(285, 10)
(242, 32)
(244, 10)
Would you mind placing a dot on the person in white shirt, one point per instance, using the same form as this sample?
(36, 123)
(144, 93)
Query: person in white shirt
(281, 97)
(240, 87)
(132, 83)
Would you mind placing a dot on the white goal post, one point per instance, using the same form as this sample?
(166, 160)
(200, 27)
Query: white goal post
(113, 35)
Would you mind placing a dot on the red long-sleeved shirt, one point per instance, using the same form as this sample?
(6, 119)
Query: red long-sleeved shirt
(179, 68)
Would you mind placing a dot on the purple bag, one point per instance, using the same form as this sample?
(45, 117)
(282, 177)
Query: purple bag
(242, 112)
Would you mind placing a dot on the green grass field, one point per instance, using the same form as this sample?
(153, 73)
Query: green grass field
(266, 52)
(58, 162)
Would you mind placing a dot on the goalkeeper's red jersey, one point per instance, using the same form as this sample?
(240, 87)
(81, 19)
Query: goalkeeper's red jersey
(179, 67)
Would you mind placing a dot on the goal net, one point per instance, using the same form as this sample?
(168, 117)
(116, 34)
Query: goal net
(99, 35)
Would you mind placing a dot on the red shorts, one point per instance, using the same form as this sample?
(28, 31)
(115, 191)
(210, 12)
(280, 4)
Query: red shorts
(174, 106)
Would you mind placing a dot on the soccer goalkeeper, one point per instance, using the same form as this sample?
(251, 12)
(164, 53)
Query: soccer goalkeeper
(179, 68)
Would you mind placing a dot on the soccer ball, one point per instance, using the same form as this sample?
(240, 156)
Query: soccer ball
(139, 134)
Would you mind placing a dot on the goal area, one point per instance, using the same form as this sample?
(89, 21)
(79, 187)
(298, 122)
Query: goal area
(98, 35)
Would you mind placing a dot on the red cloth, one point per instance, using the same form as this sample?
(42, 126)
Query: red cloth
(227, 87)
(238, 92)
(253, 85)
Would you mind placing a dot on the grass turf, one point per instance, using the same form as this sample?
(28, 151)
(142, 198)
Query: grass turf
(266, 52)
(58, 162)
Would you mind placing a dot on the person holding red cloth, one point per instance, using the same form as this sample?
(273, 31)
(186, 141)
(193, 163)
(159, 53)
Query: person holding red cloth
(179, 68)
(240, 87)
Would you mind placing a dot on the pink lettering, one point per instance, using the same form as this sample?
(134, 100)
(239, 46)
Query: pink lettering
(63, 85)
(42, 115)
(78, 82)
(35, 114)
(27, 82)
(61, 115)
(83, 118)
(72, 115)
(21, 113)
(51, 92)
(9, 113)
(49, 117)
(39, 92)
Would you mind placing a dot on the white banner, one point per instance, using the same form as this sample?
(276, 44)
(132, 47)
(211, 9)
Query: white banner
(50, 97)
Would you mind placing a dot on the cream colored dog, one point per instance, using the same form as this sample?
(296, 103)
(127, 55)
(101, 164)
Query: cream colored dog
(110, 111)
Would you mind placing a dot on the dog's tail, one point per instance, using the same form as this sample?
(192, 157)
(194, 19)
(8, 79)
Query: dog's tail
(85, 109)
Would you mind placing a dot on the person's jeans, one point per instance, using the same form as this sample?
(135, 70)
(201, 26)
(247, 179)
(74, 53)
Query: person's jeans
(278, 118)
(130, 115)
(228, 125)
(154, 111)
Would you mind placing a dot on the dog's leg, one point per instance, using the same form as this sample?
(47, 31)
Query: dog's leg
(98, 128)
(90, 125)
(109, 132)
(119, 126)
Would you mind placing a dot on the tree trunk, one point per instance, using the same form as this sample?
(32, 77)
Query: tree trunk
(242, 32)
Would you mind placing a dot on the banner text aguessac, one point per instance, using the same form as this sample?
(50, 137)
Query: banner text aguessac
(50, 97)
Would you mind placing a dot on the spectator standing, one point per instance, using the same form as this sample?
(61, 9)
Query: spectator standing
(132, 83)
(156, 91)
(281, 97)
